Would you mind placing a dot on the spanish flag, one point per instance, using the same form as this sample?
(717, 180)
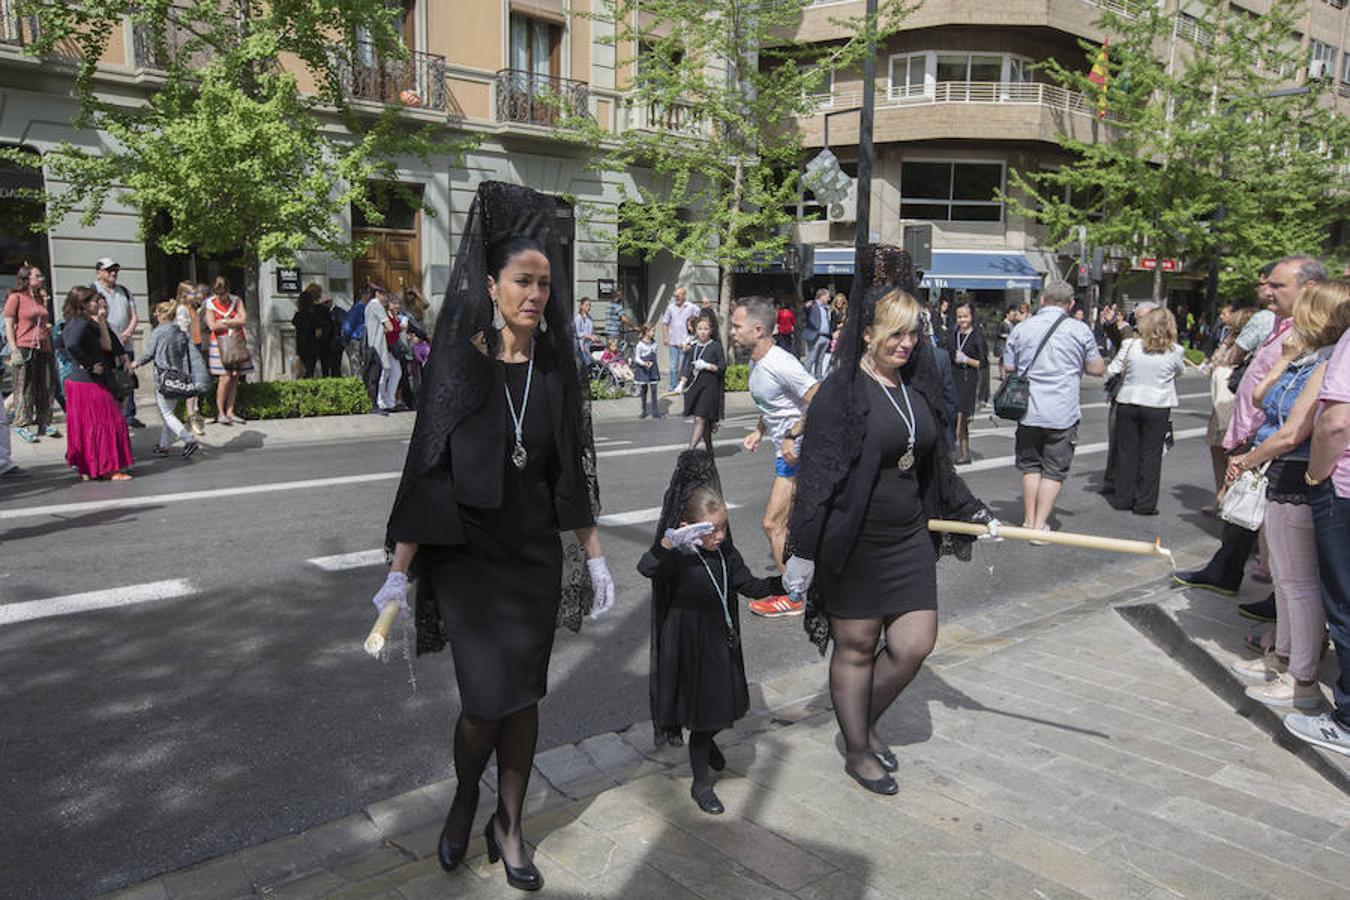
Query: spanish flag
(1098, 76)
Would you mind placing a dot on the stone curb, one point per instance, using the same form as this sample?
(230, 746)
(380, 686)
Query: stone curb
(1154, 622)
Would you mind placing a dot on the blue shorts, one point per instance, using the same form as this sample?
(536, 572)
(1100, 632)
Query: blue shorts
(783, 470)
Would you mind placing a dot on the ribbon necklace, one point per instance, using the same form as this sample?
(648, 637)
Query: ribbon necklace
(906, 461)
(722, 590)
(518, 455)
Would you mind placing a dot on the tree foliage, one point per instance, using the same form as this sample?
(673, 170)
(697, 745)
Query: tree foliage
(716, 86)
(1198, 153)
(222, 142)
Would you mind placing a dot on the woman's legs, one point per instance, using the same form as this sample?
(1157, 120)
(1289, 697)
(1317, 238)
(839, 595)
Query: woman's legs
(224, 396)
(475, 739)
(909, 640)
(851, 676)
(700, 425)
(1153, 422)
(1293, 566)
(963, 436)
(172, 428)
(515, 756)
(1129, 428)
(654, 387)
(700, 756)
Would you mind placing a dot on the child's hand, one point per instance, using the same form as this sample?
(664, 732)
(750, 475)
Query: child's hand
(686, 538)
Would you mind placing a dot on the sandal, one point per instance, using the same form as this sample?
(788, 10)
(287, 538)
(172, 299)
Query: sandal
(119, 476)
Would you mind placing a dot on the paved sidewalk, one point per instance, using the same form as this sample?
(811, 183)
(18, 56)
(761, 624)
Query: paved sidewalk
(1048, 749)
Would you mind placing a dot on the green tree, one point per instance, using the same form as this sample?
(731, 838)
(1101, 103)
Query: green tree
(224, 143)
(1202, 149)
(715, 91)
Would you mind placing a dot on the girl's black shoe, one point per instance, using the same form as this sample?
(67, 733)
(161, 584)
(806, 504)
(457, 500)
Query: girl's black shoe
(885, 785)
(887, 760)
(706, 799)
(524, 878)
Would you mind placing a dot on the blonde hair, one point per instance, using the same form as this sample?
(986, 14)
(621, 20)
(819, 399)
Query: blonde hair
(186, 291)
(895, 313)
(1322, 313)
(165, 311)
(1158, 330)
(703, 501)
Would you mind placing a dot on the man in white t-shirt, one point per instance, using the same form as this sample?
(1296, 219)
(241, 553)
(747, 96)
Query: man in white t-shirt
(675, 324)
(378, 324)
(782, 389)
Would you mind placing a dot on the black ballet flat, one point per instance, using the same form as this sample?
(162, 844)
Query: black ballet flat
(524, 878)
(885, 785)
(887, 760)
(706, 799)
(716, 761)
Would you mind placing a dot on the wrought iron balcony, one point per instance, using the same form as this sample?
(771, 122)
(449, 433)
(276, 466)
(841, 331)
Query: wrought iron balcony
(539, 99)
(14, 28)
(417, 80)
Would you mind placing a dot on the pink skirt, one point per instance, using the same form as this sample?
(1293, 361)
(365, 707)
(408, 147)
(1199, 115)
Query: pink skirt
(97, 441)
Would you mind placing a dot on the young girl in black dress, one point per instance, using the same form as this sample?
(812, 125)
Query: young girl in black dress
(697, 672)
(705, 372)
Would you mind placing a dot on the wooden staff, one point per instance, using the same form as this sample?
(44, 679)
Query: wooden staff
(1064, 538)
(383, 625)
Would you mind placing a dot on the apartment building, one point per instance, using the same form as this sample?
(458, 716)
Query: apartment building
(959, 103)
(475, 67)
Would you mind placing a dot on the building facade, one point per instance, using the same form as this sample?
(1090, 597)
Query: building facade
(959, 103)
(476, 67)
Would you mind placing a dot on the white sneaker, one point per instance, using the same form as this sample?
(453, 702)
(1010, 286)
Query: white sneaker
(1323, 730)
(1284, 691)
(1265, 668)
(1045, 528)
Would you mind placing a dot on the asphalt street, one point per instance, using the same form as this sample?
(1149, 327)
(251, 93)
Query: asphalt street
(221, 696)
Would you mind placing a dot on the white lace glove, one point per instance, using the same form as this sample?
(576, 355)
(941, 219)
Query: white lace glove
(686, 539)
(604, 586)
(961, 358)
(395, 590)
(798, 575)
(700, 365)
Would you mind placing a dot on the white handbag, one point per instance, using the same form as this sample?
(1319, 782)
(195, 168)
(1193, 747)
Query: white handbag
(1245, 503)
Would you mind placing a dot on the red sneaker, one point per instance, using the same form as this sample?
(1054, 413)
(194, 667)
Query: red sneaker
(775, 607)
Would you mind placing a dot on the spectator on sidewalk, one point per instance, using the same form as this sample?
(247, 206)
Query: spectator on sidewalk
(1328, 477)
(123, 320)
(969, 355)
(382, 366)
(1120, 331)
(784, 322)
(170, 350)
(675, 332)
(1149, 366)
(1287, 395)
(647, 372)
(1225, 359)
(1046, 436)
(331, 343)
(98, 444)
(1287, 279)
(225, 315)
(354, 341)
(816, 333)
(188, 318)
(584, 326)
(308, 322)
(28, 334)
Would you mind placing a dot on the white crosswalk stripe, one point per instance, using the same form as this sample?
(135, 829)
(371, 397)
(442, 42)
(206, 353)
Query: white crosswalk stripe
(999, 462)
(344, 561)
(28, 610)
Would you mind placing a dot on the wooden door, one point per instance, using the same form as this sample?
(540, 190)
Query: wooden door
(393, 260)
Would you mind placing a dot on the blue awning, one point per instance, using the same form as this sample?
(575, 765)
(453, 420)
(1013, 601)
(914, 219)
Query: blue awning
(963, 269)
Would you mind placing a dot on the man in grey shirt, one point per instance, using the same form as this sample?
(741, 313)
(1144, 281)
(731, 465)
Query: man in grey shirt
(122, 320)
(1046, 436)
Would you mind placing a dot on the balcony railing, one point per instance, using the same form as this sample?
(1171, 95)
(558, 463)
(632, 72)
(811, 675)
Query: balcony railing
(1127, 8)
(539, 99)
(14, 28)
(1025, 93)
(417, 80)
(675, 118)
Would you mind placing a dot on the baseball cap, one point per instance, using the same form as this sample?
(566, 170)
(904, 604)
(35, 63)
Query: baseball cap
(106, 262)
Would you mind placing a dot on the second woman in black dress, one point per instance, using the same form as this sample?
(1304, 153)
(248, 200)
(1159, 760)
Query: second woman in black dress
(705, 373)
(966, 347)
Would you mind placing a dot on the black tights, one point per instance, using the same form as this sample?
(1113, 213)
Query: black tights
(700, 752)
(865, 681)
(513, 738)
(703, 431)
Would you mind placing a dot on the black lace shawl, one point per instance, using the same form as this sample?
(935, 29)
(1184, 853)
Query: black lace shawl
(828, 456)
(693, 469)
(459, 374)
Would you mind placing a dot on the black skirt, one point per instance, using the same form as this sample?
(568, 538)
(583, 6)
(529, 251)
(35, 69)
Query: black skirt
(701, 677)
(704, 397)
(967, 388)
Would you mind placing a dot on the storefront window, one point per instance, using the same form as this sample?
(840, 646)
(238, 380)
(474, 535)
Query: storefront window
(951, 191)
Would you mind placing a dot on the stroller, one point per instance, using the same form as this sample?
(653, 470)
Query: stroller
(613, 370)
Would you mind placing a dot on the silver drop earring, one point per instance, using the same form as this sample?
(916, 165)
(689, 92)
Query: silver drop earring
(543, 325)
(497, 321)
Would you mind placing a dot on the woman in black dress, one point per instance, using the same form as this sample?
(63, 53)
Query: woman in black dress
(501, 463)
(705, 372)
(966, 347)
(697, 678)
(875, 466)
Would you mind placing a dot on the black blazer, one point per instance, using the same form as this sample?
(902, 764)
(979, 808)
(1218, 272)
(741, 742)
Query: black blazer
(826, 533)
(429, 513)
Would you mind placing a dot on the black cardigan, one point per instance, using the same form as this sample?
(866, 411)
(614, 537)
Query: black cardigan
(826, 533)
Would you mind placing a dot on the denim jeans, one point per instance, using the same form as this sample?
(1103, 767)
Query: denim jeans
(676, 364)
(816, 354)
(1331, 520)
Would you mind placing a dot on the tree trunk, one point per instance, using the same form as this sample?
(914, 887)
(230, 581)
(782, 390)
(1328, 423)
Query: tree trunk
(728, 280)
(255, 333)
(1159, 294)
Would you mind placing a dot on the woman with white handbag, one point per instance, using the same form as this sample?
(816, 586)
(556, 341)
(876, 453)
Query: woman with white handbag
(1288, 396)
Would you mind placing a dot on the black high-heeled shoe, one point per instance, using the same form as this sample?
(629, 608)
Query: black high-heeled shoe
(524, 878)
(885, 785)
(451, 855)
(887, 760)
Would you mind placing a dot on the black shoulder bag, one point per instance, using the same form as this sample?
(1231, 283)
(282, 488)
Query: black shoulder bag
(1014, 395)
